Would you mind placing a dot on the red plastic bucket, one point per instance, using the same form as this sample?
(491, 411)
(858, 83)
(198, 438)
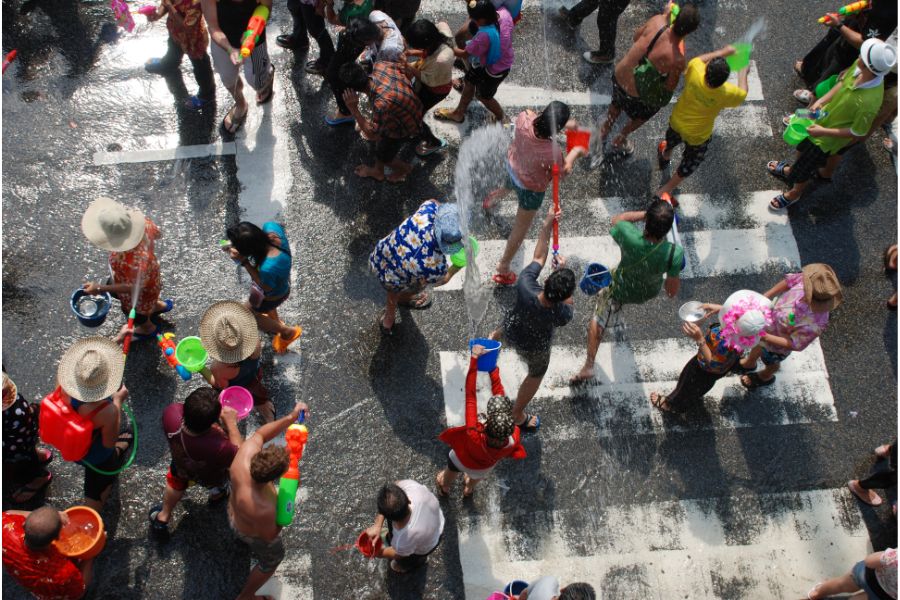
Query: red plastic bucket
(364, 545)
(576, 138)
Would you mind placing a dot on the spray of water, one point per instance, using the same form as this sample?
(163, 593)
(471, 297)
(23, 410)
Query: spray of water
(480, 169)
(758, 27)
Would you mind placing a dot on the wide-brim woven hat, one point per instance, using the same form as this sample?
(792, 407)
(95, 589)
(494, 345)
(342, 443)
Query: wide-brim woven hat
(228, 331)
(91, 369)
(113, 226)
(821, 288)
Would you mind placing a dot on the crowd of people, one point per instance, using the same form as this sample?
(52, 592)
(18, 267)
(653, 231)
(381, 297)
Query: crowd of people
(404, 66)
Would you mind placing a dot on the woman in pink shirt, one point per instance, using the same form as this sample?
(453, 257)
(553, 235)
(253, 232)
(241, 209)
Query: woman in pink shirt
(529, 170)
(490, 56)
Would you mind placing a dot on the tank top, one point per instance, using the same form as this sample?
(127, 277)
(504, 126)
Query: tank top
(248, 371)
(97, 453)
(233, 19)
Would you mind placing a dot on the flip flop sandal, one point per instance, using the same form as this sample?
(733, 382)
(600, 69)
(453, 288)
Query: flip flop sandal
(527, 427)
(423, 150)
(196, 102)
(859, 492)
(504, 278)
(776, 169)
(779, 202)
(444, 114)
(236, 122)
(156, 525)
(661, 403)
(755, 381)
(660, 152)
(33, 491)
(269, 91)
(887, 259)
(798, 67)
(280, 344)
(170, 304)
(738, 369)
(419, 302)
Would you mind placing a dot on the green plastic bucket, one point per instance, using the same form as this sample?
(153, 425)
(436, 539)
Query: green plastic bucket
(796, 131)
(741, 58)
(825, 85)
(459, 259)
(191, 353)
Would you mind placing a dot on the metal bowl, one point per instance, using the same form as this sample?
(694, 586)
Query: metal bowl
(691, 311)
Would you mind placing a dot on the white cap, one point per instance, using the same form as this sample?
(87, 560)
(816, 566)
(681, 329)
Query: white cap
(878, 56)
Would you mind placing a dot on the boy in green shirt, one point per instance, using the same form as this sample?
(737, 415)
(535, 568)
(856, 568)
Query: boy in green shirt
(851, 106)
(646, 257)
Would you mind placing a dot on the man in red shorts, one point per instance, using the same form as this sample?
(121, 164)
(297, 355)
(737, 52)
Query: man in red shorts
(30, 558)
(202, 451)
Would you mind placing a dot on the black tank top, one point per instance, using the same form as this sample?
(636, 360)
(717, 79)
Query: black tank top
(233, 19)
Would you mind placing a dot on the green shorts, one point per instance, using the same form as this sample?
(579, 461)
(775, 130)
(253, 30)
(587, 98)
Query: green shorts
(528, 200)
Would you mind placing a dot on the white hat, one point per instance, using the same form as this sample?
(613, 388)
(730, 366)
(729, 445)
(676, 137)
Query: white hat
(228, 331)
(91, 369)
(743, 317)
(878, 56)
(112, 226)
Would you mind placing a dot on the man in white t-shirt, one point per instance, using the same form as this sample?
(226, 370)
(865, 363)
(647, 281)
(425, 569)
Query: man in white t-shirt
(415, 524)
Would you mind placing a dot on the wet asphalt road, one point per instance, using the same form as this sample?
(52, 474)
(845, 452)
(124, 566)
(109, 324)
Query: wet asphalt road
(77, 87)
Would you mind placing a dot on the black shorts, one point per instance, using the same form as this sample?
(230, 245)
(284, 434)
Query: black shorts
(632, 106)
(692, 157)
(485, 83)
(386, 149)
(810, 159)
(96, 483)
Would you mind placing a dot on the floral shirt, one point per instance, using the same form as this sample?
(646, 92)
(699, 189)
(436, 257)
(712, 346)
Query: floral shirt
(45, 573)
(126, 268)
(192, 37)
(410, 256)
(886, 573)
(20, 430)
(723, 357)
(793, 319)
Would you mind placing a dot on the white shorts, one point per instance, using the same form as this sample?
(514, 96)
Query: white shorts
(258, 71)
(472, 473)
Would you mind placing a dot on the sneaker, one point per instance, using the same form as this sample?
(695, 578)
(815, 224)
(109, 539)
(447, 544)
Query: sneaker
(595, 58)
(157, 527)
(314, 67)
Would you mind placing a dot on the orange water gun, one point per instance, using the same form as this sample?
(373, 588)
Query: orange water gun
(255, 28)
(296, 437)
(849, 9)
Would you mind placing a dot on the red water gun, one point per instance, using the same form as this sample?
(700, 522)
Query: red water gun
(7, 60)
(555, 221)
(849, 9)
(167, 346)
(255, 28)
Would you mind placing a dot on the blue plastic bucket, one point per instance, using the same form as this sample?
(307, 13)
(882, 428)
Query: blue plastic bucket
(596, 277)
(101, 303)
(487, 361)
(515, 587)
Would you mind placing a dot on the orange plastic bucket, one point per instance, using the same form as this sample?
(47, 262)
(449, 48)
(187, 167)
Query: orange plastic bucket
(84, 536)
(364, 545)
(576, 138)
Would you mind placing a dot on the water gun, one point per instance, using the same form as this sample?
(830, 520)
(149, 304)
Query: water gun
(126, 343)
(7, 60)
(255, 28)
(122, 14)
(674, 10)
(849, 9)
(165, 343)
(555, 209)
(295, 436)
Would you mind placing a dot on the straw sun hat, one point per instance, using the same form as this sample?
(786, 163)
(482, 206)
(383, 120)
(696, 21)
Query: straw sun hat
(91, 369)
(228, 331)
(821, 288)
(112, 226)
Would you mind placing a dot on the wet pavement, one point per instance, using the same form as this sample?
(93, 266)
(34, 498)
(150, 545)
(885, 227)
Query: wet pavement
(81, 118)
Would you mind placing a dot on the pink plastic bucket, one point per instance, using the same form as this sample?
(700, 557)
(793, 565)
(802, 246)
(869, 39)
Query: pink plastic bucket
(238, 398)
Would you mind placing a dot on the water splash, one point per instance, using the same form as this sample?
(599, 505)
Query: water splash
(758, 27)
(480, 169)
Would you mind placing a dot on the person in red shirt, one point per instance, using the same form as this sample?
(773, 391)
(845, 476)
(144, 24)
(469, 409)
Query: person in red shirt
(30, 558)
(477, 446)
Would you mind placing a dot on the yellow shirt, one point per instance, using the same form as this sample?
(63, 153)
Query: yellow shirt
(699, 105)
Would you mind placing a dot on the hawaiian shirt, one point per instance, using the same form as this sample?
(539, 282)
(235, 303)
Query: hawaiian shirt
(141, 262)
(192, 37)
(409, 257)
(45, 573)
(723, 357)
(793, 319)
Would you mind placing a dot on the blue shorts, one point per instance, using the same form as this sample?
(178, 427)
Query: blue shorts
(858, 573)
(772, 358)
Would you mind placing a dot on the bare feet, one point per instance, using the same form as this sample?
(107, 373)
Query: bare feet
(371, 172)
(883, 451)
(585, 374)
(868, 496)
(469, 488)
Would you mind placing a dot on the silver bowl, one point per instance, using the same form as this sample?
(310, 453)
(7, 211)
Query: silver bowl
(691, 311)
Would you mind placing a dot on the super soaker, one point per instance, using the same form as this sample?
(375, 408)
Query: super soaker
(126, 343)
(849, 9)
(255, 28)
(165, 343)
(296, 436)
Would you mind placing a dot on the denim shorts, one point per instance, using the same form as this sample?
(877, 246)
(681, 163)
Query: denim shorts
(858, 572)
(773, 358)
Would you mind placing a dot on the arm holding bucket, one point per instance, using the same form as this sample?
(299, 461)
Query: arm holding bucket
(471, 387)
(229, 423)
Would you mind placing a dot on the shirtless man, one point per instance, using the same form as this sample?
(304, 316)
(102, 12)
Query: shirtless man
(663, 47)
(251, 509)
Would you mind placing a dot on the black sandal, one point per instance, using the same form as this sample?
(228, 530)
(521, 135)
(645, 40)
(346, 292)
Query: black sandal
(661, 402)
(755, 381)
